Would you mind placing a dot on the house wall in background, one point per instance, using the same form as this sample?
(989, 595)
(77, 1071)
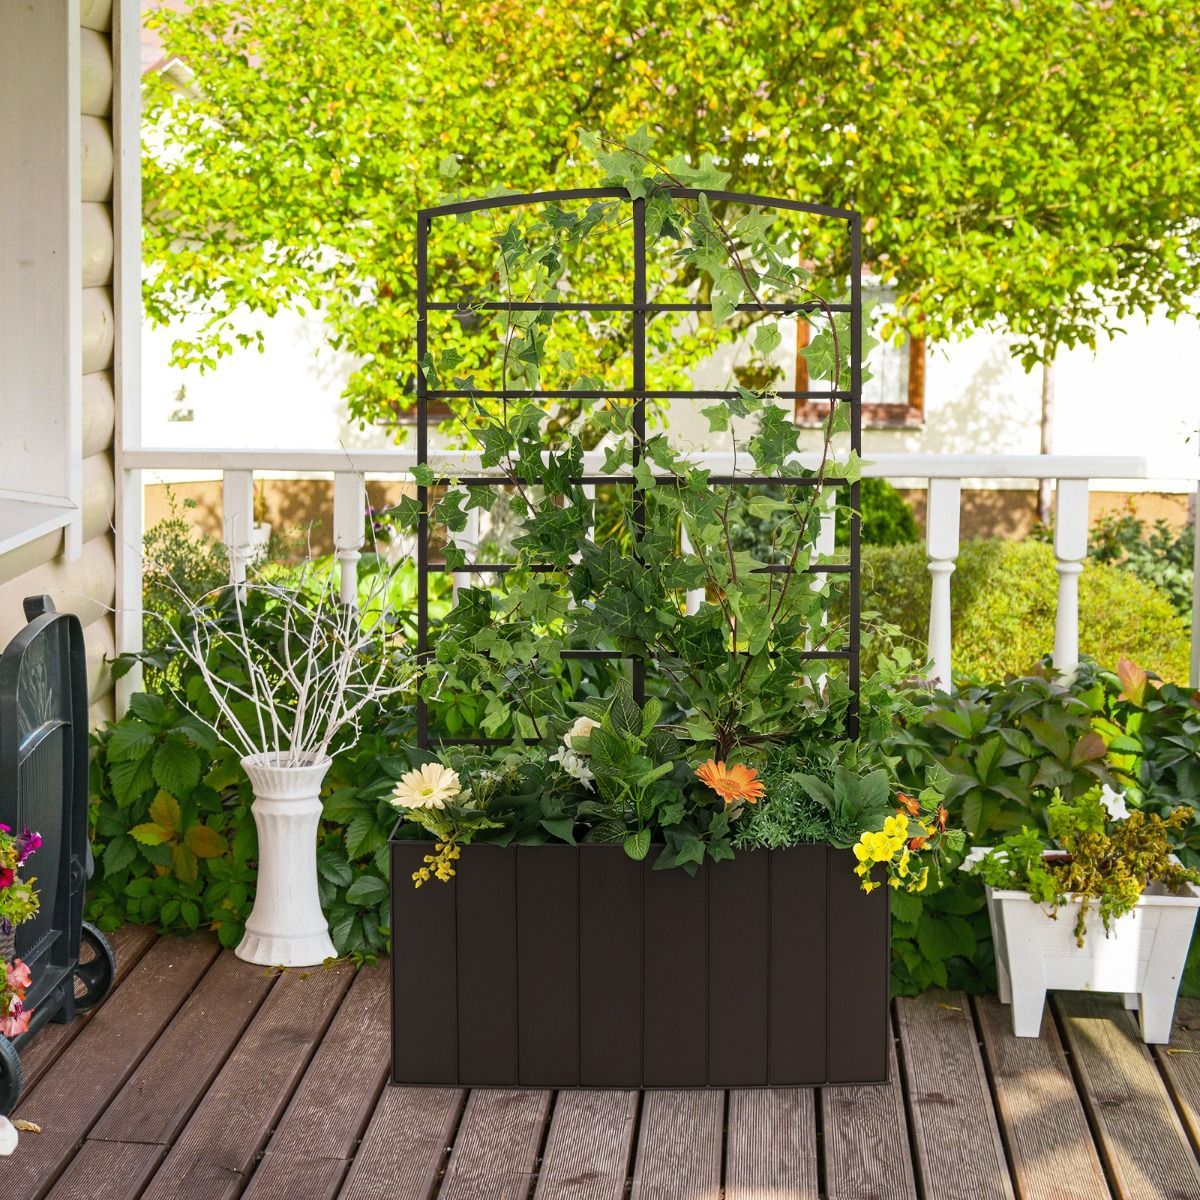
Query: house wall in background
(86, 584)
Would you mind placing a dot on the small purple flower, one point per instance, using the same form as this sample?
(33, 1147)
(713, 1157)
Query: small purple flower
(5, 926)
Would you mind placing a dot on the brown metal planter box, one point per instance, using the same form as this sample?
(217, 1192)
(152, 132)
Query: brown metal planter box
(573, 966)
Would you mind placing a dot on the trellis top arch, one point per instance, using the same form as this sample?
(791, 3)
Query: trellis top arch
(519, 199)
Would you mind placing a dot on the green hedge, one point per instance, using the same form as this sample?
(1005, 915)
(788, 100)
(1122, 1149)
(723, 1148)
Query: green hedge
(1003, 601)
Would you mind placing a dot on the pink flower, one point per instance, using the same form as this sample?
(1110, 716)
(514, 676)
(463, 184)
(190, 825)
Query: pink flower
(27, 843)
(7, 874)
(17, 1021)
(19, 975)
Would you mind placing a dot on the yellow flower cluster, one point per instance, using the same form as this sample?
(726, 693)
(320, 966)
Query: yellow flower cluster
(891, 848)
(439, 865)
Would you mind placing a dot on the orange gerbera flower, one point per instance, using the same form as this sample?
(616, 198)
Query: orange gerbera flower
(732, 783)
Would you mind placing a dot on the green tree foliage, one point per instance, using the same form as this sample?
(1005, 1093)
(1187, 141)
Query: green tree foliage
(1027, 168)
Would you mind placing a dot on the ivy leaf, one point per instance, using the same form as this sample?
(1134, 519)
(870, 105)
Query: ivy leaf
(767, 337)
(643, 476)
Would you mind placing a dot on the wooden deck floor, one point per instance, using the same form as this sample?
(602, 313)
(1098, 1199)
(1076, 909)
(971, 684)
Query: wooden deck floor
(202, 1077)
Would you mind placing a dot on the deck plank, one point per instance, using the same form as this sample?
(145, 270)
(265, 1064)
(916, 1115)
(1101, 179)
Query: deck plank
(680, 1146)
(955, 1134)
(310, 1152)
(74, 1092)
(772, 1144)
(215, 1153)
(155, 1104)
(1041, 1114)
(129, 943)
(1141, 1137)
(865, 1143)
(497, 1146)
(589, 1146)
(406, 1144)
(1180, 1066)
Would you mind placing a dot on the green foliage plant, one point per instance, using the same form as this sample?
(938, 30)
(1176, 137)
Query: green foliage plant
(1094, 852)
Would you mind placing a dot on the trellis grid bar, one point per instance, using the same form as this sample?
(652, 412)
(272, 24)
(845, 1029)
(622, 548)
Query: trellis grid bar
(639, 308)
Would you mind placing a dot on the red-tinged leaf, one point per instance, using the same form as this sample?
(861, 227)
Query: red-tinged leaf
(1089, 748)
(1133, 682)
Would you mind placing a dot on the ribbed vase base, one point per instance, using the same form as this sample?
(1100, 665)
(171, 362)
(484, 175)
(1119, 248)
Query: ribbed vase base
(273, 950)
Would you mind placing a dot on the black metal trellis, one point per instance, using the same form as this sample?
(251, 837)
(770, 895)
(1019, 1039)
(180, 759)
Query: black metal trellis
(641, 308)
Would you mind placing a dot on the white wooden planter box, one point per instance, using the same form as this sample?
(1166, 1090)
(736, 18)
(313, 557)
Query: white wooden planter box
(1142, 956)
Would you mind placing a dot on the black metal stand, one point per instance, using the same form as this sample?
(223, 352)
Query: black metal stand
(44, 787)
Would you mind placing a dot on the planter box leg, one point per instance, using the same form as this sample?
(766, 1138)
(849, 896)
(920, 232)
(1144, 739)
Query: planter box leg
(1003, 981)
(1131, 1001)
(1029, 1003)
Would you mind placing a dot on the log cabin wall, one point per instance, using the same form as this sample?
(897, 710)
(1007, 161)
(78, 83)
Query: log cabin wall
(85, 586)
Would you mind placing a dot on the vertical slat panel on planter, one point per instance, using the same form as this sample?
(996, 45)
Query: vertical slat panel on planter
(858, 976)
(548, 965)
(610, 967)
(425, 1013)
(486, 885)
(799, 926)
(675, 977)
(738, 970)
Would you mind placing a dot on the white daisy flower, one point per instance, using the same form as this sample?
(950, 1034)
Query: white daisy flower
(431, 785)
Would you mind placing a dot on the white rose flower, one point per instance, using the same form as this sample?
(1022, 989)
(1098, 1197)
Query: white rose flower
(1114, 802)
(579, 732)
(431, 785)
(574, 765)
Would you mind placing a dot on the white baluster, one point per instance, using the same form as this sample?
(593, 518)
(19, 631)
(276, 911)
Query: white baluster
(468, 542)
(695, 596)
(238, 522)
(941, 543)
(349, 514)
(824, 548)
(1070, 549)
(1196, 591)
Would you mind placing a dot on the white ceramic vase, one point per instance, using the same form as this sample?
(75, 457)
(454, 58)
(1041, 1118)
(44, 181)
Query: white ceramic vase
(286, 927)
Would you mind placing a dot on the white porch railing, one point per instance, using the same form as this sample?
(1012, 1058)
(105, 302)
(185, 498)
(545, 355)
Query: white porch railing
(943, 474)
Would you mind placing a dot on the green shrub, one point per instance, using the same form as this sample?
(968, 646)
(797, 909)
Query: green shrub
(1158, 554)
(1003, 602)
(887, 519)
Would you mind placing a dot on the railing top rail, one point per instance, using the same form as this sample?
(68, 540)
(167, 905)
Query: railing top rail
(890, 466)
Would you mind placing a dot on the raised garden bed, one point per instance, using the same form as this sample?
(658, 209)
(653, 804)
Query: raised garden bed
(574, 966)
